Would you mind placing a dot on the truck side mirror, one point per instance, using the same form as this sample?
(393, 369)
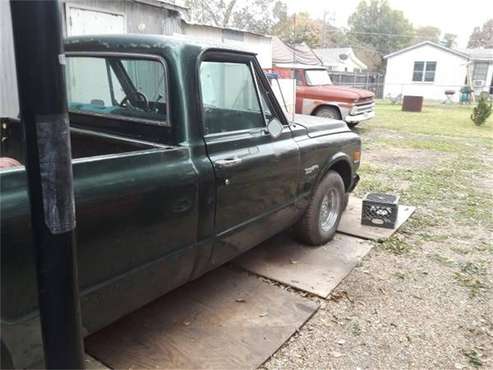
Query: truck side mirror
(274, 127)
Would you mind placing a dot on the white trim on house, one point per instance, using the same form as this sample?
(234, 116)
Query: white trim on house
(420, 44)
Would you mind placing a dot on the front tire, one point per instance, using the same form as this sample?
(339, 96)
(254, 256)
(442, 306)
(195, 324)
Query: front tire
(321, 219)
(345, 201)
(352, 124)
(328, 112)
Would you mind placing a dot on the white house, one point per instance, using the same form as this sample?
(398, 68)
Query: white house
(428, 69)
(340, 60)
(481, 69)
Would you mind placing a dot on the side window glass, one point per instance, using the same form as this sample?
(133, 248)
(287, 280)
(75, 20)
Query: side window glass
(229, 97)
(114, 86)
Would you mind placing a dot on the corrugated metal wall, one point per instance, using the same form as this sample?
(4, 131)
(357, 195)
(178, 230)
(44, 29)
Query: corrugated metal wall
(140, 17)
(9, 102)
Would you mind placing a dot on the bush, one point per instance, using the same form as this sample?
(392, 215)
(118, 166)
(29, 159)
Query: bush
(481, 112)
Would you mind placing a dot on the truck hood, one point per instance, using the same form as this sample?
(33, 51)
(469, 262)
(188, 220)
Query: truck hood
(332, 91)
(319, 126)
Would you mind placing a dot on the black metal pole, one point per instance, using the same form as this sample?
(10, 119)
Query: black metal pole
(43, 110)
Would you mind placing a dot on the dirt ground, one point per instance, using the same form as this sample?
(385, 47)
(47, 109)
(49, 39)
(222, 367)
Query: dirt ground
(422, 299)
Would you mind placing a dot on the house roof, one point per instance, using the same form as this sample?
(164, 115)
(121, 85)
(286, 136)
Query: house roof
(430, 43)
(297, 54)
(334, 56)
(479, 54)
(165, 4)
(232, 29)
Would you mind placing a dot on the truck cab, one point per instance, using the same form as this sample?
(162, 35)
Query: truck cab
(317, 96)
(182, 160)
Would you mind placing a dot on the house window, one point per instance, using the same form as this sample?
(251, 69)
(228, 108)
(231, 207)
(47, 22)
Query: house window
(480, 71)
(424, 71)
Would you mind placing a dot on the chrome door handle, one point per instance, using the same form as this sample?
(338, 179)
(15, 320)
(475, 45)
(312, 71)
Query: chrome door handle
(227, 163)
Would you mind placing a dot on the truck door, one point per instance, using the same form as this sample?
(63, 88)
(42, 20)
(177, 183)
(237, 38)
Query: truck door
(256, 174)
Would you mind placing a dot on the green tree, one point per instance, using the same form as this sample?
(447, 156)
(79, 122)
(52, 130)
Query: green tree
(376, 25)
(482, 111)
(331, 36)
(449, 40)
(482, 37)
(427, 33)
(299, 28)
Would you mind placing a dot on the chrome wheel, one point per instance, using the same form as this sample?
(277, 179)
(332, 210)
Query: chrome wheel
(329, 210)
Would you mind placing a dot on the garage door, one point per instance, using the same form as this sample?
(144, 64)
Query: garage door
(86, 22)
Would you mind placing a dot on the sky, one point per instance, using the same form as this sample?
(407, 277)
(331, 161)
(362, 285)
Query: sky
(451, 16)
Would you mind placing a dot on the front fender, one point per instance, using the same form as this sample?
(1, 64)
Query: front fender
(339, 160)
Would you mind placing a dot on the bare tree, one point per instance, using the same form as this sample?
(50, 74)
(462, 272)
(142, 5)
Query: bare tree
(482, 37)
(255, 16)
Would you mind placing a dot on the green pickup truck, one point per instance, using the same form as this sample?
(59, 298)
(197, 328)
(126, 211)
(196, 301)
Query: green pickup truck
(183, 159)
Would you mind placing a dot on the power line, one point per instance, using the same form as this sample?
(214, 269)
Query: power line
(346, 31)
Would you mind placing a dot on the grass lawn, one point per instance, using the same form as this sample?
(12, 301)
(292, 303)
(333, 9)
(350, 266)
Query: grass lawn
(424, 298)
(439, 161)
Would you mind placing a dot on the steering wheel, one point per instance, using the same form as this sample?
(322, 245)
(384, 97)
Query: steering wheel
(140, 97)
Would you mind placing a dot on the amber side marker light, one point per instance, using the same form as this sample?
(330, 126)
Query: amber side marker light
(356, 155)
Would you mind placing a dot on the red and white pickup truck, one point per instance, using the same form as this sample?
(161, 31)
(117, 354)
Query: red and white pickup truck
(317, 96)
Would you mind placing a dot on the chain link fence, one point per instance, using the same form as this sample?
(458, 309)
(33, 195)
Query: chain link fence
(372, 81)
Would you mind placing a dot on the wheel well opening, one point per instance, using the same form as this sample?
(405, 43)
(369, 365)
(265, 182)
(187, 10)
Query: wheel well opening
(315, 111)
(344, 170)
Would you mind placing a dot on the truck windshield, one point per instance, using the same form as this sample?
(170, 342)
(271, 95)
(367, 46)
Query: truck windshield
(315, 77)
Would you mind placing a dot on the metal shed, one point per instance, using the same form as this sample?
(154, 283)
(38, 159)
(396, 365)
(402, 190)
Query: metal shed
(89, 17)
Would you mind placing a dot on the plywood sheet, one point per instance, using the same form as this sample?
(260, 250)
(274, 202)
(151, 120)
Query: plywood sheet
(224, 320)
(91, 363)
(351, 222)
(317, 270)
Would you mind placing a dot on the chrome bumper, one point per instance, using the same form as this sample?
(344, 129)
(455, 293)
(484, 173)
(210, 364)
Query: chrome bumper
(359, 117)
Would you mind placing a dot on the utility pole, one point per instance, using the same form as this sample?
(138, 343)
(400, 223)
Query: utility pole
(43, 110)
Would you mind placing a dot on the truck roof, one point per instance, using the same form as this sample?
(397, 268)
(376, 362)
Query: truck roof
(141, 43)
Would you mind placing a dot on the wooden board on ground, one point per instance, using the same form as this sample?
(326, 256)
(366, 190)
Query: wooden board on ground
(351, 222)
(91, 363)
(317, 270)
(224, 320)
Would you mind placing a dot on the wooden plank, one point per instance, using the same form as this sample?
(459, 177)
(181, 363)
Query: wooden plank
(226, 319)
(351, 222)
(93, 364)
(317, 270)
